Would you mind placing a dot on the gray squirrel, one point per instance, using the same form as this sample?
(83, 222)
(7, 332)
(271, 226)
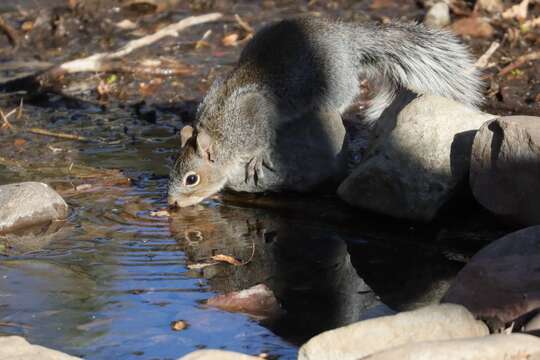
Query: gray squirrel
(274, 121)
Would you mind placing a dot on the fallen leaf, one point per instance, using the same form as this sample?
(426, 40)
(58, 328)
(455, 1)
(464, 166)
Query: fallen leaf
(518, 12)
(179, 325)
(474, 27)
(258, 300)
(226, 258)
(126, 25)
(83, 187)
(19, 142)
(27, 26)
(383, 4)
(160, 213)
(230, 40)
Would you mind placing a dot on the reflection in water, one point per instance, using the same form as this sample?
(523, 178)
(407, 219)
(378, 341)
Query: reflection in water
(306, 265)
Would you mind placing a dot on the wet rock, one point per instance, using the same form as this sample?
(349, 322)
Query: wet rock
(217, 355)
(494, 347)
(435, 322)
(505, 168)
(474, 27)
(29, 204)
(17, 348)
(533, 324)
(438, 15)
(258, 300)
(502, 281)
(419, 158)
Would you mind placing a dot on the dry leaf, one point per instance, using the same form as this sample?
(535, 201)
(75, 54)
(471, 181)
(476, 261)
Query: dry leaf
(226, 258)
(83, 187)
(475, 27)
(19, 142)
(179, 325)
(230, 40)
(518, 12)
(126, 24)
(160, 213)
(27, 26)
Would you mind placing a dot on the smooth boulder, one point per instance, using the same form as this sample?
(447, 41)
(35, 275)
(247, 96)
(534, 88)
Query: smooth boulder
(217, 355)
(501, 282)
(419, 156)
(29, 204)
(505, 168)
(17, 348)
(493, 347)
(352, 342)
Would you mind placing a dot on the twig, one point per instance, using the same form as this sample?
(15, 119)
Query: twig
(243, 24)
(57, 134)
(96, 62)
(252, 254)
(484, 59)
(523, 59)
(10, 33)
(5, 118)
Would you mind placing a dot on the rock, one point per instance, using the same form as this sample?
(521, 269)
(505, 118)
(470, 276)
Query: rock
(438, 16)
(494, 347)
(17, 348)
(505, 168)
(533, 324)
(475, 27)
(217, 355)
(416, 168)
(490, 6)
(29, 204)
(435, 322)
(502, 281)
(258, 300)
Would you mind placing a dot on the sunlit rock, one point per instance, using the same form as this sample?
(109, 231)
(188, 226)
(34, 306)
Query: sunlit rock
(217, 355)
(419, 157)
(505, 168)
(502, 281)
(435, 322)
(29, 205)
(493, 347)
(17, 348)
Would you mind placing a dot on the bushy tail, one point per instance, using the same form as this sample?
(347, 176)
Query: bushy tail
(422, 59)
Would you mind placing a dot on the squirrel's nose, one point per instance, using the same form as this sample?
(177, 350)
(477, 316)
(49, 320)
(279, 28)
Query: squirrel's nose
(173, 204)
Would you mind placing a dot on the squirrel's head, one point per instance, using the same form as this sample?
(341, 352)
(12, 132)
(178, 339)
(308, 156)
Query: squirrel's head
(195, 175)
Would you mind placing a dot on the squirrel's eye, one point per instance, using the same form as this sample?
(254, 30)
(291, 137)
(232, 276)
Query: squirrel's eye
(191, 179)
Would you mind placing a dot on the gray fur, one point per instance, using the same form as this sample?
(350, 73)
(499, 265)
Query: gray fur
(312, 65)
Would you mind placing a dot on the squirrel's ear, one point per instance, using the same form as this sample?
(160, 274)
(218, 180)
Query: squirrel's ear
(185, 134)
(204, 144)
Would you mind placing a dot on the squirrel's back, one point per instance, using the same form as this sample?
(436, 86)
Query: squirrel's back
(317, 62)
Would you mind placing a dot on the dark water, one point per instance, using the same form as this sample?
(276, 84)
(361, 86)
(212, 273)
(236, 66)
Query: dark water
(114, 277)
(111, 281)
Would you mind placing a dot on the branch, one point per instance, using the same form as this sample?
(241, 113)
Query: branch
(98, 62)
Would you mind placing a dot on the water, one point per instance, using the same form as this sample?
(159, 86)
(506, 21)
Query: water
(111, 281)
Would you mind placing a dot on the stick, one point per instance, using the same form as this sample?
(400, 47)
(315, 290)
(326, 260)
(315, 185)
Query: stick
(57, 134)
(523, 59)
(483, 60)
(96, 62)
(10, 33)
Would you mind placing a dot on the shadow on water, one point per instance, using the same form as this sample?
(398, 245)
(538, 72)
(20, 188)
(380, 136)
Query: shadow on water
(110, 285)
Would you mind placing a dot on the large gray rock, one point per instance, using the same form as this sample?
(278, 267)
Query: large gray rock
(217, 355)
(419, 156)
(435, 322)
(501, 282)
(17, 348)
(29, 204)
(494, 347)
(505, 168)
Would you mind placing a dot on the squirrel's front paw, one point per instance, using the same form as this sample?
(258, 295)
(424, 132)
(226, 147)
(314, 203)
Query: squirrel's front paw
(255, 168)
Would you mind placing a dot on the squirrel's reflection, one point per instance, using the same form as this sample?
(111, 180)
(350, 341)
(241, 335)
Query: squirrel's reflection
(306, 265)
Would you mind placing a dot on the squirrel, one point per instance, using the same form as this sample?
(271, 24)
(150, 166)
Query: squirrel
(297, 70)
